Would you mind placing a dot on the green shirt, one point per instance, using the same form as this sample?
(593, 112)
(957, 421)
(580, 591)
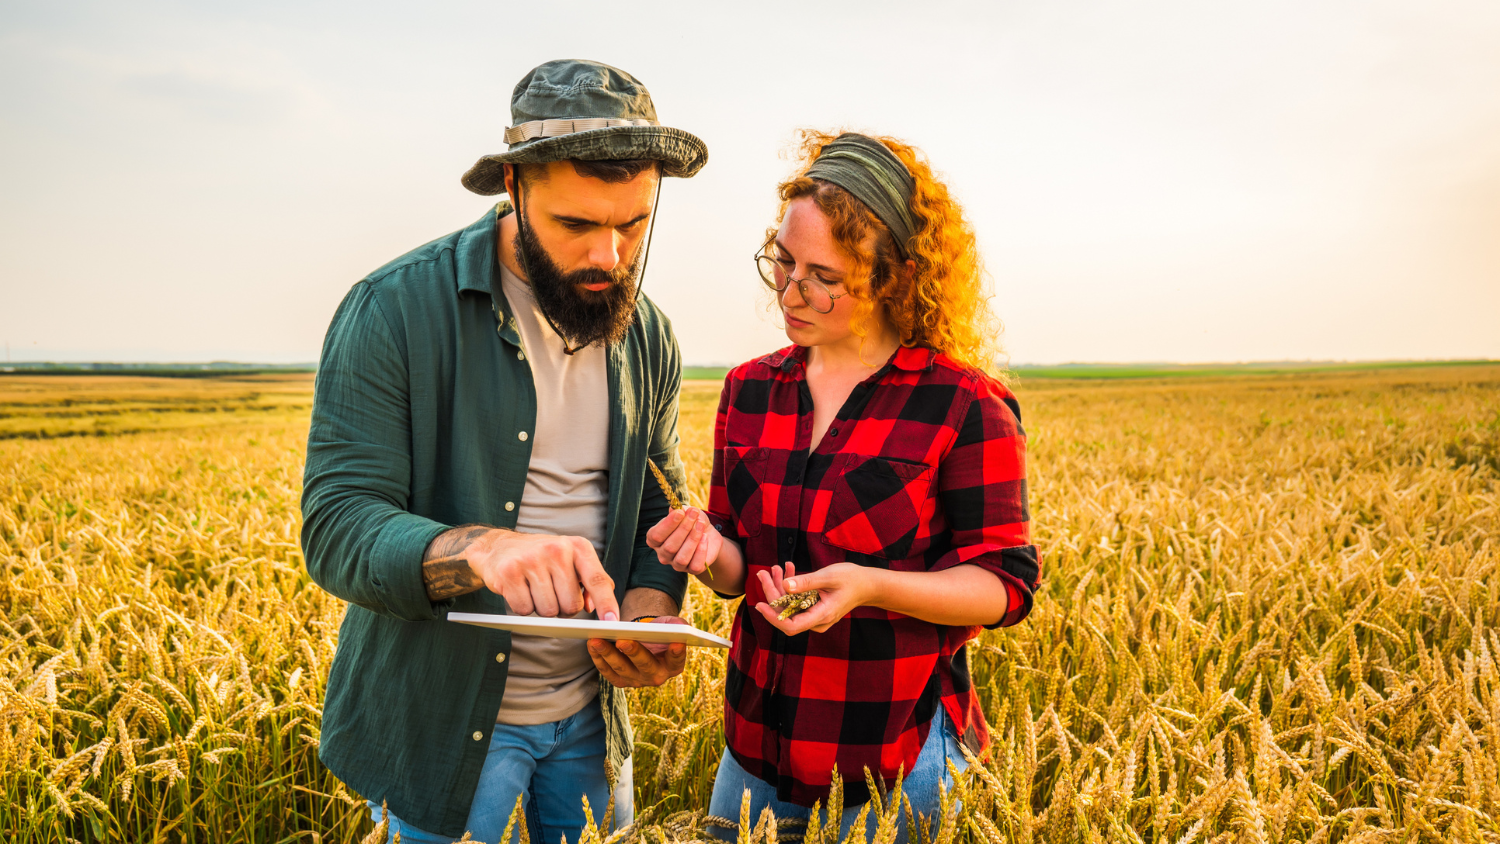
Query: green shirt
(421, 421)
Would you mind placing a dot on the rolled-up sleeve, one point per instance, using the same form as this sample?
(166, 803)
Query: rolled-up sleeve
(359, 541)
(645, 569)
(982, 490)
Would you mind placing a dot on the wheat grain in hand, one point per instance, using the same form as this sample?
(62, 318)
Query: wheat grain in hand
(673, 501)
(793, 603)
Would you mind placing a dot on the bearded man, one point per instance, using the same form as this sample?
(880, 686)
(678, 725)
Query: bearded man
(484, 411)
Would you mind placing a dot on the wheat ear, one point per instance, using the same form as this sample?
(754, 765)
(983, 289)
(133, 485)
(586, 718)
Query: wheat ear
(672, 500)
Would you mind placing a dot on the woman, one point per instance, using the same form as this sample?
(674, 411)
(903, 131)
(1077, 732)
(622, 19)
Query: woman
(875, 462)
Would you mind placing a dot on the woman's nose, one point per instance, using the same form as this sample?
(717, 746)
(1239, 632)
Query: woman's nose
(791, 295)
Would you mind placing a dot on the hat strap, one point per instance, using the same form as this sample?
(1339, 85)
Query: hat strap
(567, 126)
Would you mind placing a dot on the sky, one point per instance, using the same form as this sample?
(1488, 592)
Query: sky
(1150, 181)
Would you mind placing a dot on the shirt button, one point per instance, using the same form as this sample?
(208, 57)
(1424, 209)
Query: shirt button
(522, 435)
(478, 735)
(499, 657)
(510, 505)
(520, 355)
(833, 432)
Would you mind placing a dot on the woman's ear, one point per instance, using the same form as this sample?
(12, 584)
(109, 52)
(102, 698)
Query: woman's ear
(903, 276)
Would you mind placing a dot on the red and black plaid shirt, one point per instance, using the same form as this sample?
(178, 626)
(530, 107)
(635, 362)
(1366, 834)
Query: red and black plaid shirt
(923, 469)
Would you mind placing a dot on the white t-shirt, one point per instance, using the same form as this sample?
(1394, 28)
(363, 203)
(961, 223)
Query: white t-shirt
(567, 494)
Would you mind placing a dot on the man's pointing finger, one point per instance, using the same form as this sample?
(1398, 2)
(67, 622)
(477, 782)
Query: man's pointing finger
(597, 584)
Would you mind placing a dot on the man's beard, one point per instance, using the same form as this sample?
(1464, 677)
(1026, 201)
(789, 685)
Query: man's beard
(583, 317)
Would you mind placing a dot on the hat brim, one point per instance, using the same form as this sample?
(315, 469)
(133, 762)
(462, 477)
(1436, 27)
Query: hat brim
(681, 154)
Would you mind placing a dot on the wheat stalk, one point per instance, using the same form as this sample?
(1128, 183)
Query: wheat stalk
(1269, 613)
(673, 502)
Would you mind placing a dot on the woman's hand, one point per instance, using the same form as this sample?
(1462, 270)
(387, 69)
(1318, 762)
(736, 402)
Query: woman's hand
(841, 587)
(685, 541)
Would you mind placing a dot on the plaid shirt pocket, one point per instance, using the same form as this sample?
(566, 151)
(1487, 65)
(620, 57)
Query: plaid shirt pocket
(744, 471)
(877, 506)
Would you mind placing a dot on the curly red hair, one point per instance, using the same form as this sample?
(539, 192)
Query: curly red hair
(943, 305)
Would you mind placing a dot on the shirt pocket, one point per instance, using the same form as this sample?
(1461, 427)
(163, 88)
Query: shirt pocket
(744, 471)
(877, 505)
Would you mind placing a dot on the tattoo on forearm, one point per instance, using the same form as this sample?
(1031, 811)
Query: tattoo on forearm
(454, 541)
(445, 570)
(449, 577)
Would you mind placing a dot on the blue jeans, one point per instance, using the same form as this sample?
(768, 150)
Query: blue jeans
(920, 786)
(551, 767)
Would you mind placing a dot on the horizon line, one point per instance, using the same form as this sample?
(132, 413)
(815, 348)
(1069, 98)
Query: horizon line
(313, 365)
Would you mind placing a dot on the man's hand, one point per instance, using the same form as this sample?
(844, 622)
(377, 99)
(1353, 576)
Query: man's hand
(547, 575)
(631, 665)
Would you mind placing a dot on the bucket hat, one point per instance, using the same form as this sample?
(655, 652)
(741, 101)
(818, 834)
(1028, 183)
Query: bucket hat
(576, 109)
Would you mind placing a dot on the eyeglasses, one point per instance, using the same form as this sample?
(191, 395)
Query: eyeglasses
(777, 275)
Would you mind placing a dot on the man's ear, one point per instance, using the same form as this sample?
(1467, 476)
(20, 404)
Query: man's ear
(510, 181)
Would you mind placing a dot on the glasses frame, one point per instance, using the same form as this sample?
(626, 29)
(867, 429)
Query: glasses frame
(762, 256)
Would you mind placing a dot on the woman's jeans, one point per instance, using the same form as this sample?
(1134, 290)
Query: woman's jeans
(920, 786)
(551, 766)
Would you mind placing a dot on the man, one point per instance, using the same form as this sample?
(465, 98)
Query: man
(484, 411)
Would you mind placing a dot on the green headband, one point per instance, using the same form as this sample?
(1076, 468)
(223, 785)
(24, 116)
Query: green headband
(865, 168)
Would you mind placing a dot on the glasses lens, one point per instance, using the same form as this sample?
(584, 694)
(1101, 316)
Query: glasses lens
(770, 272)
(816, 296)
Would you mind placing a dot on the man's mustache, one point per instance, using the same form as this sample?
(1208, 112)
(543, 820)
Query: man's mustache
(594, 275)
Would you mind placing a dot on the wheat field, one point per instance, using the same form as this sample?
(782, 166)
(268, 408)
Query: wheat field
(1269, 614)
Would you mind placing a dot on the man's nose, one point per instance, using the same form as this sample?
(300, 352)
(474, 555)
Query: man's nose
(604, 250)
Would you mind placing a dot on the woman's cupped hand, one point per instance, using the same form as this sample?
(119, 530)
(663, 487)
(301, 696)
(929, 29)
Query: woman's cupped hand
(841, 587)
(685, 541)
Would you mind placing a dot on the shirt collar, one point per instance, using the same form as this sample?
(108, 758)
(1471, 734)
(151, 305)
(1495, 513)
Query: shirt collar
(914, 358)
(478, 267)
(477, 247)
(908, 358)
(787, 359)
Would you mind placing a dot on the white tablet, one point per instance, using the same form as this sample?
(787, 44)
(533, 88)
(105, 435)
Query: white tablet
(587, 628)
